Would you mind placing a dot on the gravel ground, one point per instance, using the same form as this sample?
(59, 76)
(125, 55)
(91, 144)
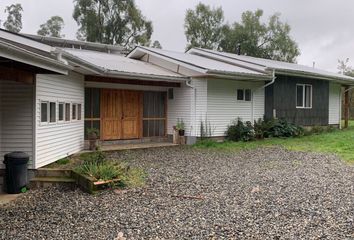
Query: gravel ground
(197, 194)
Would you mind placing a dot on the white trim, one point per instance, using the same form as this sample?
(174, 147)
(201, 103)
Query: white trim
(244, 95)
(303, 96)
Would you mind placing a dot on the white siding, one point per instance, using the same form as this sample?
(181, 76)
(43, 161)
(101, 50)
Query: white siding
(180, 107)
(58, 140)
(334, 104)
(200, 113)
(223, 106)
(16, 119)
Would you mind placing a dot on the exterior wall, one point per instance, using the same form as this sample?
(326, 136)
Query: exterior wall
(58, 140)
(334, 113)
(223, 107)
(16, 119)
(281, 96)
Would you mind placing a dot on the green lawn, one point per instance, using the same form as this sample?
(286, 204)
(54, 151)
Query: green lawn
(340, 142)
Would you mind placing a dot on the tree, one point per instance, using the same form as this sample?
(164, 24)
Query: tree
(344, 68)
(52, 27)
(271, 41)
(156, 44)
(203, 26)
(112, 22)
(13, 22)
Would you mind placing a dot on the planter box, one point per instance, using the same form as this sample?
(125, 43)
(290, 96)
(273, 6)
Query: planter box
(90, 185)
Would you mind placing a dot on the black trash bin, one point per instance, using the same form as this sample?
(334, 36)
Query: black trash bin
(16, 171)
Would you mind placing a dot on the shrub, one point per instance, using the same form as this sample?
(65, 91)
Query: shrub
(262, 128)
(239, 131)
(282, 128)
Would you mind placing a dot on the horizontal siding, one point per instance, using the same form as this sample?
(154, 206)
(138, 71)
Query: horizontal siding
(201, 88)
(223, 107)
(334, 115)
(16, 119)
(180, 107)
(58, 140)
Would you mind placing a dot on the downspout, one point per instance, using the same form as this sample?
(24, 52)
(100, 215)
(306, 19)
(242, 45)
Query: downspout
(188, 84)
(60, 58)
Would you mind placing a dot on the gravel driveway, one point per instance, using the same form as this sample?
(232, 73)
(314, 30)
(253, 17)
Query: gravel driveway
(198, 194)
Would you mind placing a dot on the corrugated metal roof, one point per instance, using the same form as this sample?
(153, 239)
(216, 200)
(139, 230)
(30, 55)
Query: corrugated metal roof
(270, 64)
(119, 63)
(204, 63)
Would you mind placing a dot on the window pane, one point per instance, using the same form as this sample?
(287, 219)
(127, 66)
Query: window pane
(88, 124)
(44, 112)
(52, 112)
(248, 95)
(79, 112)
(88, 101)
(96, 103)
(308, 96)
(61, 111)
(67, 111)
(299, 96)
(170, 93)
(240, 94)
(73, 116)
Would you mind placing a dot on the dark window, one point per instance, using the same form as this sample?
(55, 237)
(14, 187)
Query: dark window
(52, 112)
(79, 112)
(67, 112)
(44, 112)
(308, 96)
(154, 114)
(92, 109)
(61, 112)
(248, 95)
(240, 94)
(170, 93)
(303, 96)
(73, 115)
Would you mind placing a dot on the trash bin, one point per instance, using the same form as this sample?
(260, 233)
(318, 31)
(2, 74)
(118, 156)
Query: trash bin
(16, 172)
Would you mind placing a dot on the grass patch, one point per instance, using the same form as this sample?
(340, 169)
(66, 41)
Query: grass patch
(339, 142)
(63, 161)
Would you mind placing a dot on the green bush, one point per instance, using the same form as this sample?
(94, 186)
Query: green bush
(239, 131)
(282, 128)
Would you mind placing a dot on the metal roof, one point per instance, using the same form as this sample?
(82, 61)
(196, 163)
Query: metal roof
(118, 63)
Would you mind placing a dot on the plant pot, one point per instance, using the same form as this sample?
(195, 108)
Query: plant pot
(181, 132)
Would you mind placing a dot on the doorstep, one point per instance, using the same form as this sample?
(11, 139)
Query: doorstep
(134, 146)
(7, 198)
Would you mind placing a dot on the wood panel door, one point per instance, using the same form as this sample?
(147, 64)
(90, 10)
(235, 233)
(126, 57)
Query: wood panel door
(111, 114)
(131, 121)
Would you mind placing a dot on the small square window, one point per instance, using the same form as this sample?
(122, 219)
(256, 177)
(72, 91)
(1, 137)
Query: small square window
(240, 94)
(44, 111)
(52, 112)
(73, 116)
(61, 112)
(79, 112)
(248, 95)
(67, 112)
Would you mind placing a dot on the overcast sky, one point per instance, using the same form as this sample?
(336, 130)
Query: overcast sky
(322, 28)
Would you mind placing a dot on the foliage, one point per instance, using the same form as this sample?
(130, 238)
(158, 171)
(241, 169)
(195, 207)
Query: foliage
(13, 22)
(203, 27)
(282, 128)
(206, 143)
(112, 22)
(63, 161)
(262, 128)
(344, 68)
(257, 39)
(93, 132)
(52, 27)
(156, 44)
(180, 124)
(205, 129)
(239, 131)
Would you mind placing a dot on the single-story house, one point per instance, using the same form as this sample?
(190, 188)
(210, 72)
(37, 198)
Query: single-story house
(52, 90)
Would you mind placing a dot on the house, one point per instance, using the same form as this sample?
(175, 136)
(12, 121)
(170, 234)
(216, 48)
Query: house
(52, 90)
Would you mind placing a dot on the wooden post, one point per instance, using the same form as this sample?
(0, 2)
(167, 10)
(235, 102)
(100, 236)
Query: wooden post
(346, 107)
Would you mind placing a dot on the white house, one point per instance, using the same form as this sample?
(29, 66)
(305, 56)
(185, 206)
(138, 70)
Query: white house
(51, 90)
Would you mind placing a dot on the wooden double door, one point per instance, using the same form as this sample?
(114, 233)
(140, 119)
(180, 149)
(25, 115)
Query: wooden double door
(121, 114)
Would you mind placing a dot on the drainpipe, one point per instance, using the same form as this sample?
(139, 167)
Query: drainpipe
(60, 57)
(189, 84)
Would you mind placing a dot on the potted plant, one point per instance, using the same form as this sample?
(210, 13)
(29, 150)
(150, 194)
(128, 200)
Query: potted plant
(92, 135)
(180, 127)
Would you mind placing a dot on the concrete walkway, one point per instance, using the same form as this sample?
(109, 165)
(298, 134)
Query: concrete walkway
(133, 146)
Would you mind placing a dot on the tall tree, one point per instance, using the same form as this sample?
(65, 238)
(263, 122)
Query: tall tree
(112, 22)
(52, 27)
(257, 39)
(13, 22)
(156, 44)
(344, 67)
(203, 26)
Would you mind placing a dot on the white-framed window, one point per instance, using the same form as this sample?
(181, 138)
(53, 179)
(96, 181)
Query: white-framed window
(303, 96)
(52, 112)
(244, 95)
(79, 111)
(61, 114)
(44, 112)
(73, 111)
(48, 112)
(67, 112)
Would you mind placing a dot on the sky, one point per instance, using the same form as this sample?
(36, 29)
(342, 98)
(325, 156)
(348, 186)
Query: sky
(323, 29)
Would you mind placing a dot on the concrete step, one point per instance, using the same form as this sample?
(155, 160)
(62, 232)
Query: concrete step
(49, 172)
(45, 182)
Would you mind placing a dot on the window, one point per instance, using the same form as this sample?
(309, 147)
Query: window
(170, 94)
(92, 109)
(61, 112)
(303, 96)
(67, 112)
(44, 111)
(244, 95)
(73, 116)
(79, 112)
(52, 112)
